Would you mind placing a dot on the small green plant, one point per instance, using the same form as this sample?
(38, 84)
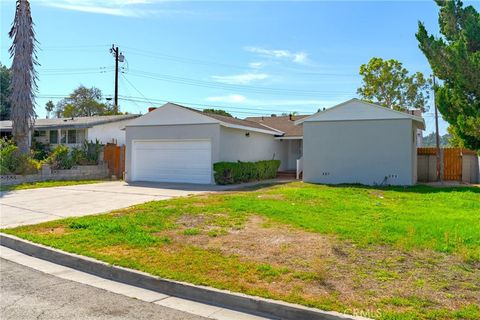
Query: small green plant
(191, 232)
(13, 162)
(92, 151)
(40, 151)
(60, 158)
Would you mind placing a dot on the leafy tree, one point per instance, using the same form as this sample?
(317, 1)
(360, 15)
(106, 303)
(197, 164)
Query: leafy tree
(388, 83)
(83, 102)
(5, 80)
(49, 106)
(430, 140)
(218, 111)
(455, 59)
(23, 86)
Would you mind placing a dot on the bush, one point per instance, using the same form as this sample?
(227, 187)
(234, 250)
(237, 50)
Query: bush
(40, 151)
(60, 158)
(64, 158)
(13, 162)
(237, 172)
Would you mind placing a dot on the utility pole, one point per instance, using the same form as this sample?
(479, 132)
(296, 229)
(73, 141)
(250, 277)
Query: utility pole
(118, 58)
(437, 136)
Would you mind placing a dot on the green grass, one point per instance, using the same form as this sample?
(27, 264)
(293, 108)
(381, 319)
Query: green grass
(47, 184)
(443, 222)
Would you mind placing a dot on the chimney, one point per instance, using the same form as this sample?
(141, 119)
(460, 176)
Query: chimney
(150, 109)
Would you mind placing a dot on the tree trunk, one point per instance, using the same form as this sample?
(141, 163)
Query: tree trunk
(23, 143)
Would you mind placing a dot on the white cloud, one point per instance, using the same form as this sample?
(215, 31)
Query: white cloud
(297, 57)
(256, 65)
(243, 78)
(125, 8)
(232, 98)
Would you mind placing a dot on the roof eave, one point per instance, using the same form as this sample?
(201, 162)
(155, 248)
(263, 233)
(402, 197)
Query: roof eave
(236, 126)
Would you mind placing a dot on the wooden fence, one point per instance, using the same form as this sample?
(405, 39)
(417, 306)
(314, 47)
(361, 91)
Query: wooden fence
(458, 164)
(114, 156)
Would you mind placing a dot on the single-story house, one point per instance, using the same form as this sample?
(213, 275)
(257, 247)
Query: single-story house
(74, 131)
(354, 142)
(360, 142)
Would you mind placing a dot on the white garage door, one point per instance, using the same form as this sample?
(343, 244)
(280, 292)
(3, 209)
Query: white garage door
(172, 161)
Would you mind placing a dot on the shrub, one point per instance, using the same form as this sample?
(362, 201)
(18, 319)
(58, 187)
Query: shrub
(92, 151)
(13, 162)
(237, 172)
(60, 158)
(40, 151)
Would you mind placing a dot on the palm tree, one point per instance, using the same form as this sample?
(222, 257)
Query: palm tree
(23, 84)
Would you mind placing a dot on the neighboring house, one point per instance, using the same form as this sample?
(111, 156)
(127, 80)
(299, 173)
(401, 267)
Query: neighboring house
(74, 131)
(354, 142)
(360, 142)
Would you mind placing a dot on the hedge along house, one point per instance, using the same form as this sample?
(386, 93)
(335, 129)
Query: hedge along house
(74, 131)
(174, 143)
(360, 142)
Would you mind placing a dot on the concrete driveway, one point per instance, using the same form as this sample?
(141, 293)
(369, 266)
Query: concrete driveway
(32, 206)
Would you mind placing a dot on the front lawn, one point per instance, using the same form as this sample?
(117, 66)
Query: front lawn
(47, 184)
(387, 253)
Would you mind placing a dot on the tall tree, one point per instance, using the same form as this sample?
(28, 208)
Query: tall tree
(23, 86)
(83, 102)
(49, 107)
(5, 80)
(388, 83)
(218, 111)
(455, 59)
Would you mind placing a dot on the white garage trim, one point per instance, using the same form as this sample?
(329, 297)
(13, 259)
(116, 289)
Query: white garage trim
(172, 160)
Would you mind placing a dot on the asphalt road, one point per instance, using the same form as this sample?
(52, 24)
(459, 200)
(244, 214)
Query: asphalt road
(29, 294)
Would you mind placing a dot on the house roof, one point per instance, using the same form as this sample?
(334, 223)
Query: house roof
(282, 123)
(356, 109)
(236, 121)
(175, 114)
(71, 123)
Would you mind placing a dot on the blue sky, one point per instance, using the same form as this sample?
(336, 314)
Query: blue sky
(250, 58)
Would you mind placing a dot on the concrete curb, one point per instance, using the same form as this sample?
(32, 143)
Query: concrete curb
(221, 298)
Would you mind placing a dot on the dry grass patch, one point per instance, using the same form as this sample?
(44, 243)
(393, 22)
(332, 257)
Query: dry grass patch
(310, 265)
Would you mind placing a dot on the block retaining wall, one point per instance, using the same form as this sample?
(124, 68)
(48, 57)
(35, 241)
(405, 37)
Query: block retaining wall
(46, 173)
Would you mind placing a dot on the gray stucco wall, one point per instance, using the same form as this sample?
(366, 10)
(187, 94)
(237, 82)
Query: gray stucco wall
(198, 131)
(359, 152)
(236, 146)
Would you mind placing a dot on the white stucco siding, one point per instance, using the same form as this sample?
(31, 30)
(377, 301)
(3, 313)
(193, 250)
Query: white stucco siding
(236, 146)
(209, 132)
(364, 151)
(108, 132)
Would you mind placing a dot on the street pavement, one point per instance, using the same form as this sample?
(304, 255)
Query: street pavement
(30, 294)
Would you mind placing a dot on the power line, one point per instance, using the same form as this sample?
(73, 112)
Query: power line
(229, 108)
(224, 86)
(163, 56)
(134, 87)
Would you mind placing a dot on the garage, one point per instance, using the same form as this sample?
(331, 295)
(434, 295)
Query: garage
(187, 161)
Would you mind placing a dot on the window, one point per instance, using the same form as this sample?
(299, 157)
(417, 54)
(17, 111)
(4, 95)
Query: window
(72, 136)
(40, 133)
(53, 136)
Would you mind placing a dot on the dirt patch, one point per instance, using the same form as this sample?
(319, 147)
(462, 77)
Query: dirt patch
(57, 231)
(271, 196)
(316, 265)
